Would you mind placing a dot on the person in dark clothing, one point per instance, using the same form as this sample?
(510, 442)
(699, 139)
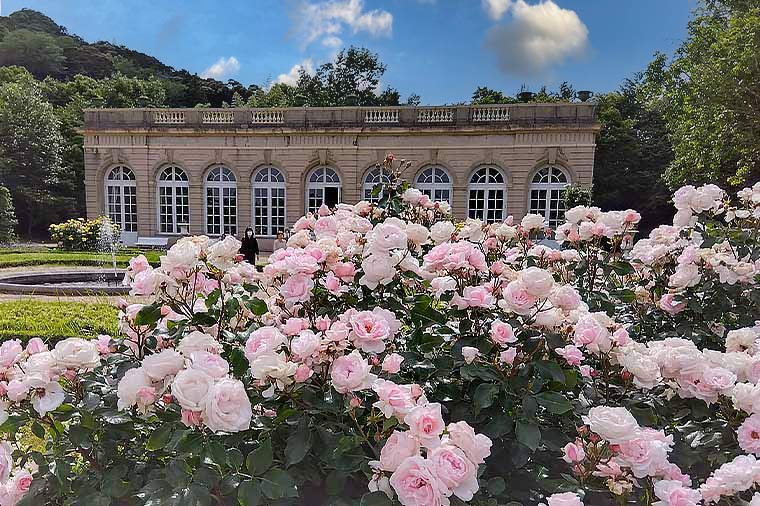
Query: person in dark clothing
(250, 246)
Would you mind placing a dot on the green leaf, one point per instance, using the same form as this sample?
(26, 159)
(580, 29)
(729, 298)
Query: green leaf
(528, 434)
(550, 370)
(234, 458)
(159, 438)
(496, 486)
(298, 443)
(148, 315)
(38, 430)
(260, 459)
(278, 484)
(258, 306)
(375, 499)
(554, 402)
(484, 396)
(249, 493)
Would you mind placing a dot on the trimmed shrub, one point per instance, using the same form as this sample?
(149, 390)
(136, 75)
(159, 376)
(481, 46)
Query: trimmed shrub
(8, 220)
(79, 234)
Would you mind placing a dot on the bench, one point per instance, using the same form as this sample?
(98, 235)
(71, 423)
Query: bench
(152, 242)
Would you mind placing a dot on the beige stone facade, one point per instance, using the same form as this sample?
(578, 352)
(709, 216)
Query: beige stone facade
(165, 172)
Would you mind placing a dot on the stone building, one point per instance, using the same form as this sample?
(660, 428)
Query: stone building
(168, 172)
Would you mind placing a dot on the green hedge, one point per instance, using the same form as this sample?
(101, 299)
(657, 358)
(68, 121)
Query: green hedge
(15, 258)
(55, 320)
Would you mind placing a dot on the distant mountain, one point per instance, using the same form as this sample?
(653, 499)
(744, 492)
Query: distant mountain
(32, 40)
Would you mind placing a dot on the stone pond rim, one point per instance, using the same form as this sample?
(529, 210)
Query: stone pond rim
(65, 283)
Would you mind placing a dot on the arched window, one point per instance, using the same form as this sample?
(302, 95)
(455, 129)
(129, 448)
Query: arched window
(221, 202)
(487, 192)
(322, 187)
(173, 201)
(121, 198)
(547, 194)
(374, 177)
(268, 195)
(435, 182)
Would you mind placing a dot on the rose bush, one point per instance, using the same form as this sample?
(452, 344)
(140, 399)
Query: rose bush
(390, 355)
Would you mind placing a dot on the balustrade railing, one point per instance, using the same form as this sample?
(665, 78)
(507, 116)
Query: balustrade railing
(381, 116)
(486, 114)
(435, 115)
(218, 117)
(168, 117)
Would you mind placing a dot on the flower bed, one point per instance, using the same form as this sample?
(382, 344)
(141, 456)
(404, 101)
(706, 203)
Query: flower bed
(390, 355)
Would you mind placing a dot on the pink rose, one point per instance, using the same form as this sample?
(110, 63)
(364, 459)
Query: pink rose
(416, 483)
(294, 325)
(426, 424)
(6, 461)
(10, 352)
(138, 264)
(573, 453)
(571, 354)
(263, 341)
(191, 418)
(104, 344)
(474, 296)
(502, 333)
(749, 435)
(305, 344)
(517, 299)
(392, 363)
(297, 288)
(36, 345)
(345, 271)
(565, 297)
(162, 364)
(536, 281)
(670, 305)
(351, 373)
(508, 356)
(333, 284)
(455, 471)
(470, 353)
(146, 282)
(476, 446)
(399, 447)
(303, 373)
(210, 363)
(394, 400)
(564, 499)
(371, 328)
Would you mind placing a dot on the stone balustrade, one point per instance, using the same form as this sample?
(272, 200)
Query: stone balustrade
(504, 116)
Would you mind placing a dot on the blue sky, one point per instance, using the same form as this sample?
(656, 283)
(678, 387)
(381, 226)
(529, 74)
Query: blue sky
(440, 49)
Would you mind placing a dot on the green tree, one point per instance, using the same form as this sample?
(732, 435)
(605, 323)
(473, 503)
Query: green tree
(632, 153)
(483, 95)
(37, 51)
(7, 217)
(708, 95)
(30, 152)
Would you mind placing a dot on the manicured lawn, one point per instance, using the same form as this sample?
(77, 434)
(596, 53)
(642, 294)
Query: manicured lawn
(54, 320)
(21, 258)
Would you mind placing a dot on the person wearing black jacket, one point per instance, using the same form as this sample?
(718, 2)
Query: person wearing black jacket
(250, 246)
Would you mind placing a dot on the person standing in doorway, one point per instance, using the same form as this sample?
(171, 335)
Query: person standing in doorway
(250, 246)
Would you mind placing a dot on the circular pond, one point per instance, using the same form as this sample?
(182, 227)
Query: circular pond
(89, 282)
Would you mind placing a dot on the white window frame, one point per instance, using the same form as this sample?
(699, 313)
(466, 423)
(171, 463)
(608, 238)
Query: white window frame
(430, 188)
(375, 176)
(317, 180)
(268, 179)
(550, 186)
(173, 184)
(120, 178)
(226, 226)
(491, 173)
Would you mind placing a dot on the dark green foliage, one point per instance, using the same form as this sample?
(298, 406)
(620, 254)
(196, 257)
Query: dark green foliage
(7, 217)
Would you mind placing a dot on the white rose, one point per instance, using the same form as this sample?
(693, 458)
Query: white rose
(198, 341)
(304, 344)
(191, 387)
(130, 385)
(506, 232)
(162, 364)
(386, 237)
(472, 230)
(228, 407)
(417, 233)
(378, 269)
(76, 353)
(210, 363)
(412, 196)
(532, 221)
(222, 254)
(537, 282)
(276, 367)
(616, 425)
(182, 256)
(442, 231)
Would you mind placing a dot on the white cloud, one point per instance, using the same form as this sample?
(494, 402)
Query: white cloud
(224, 67)
(326, 19)
(332, 41)
(291, 78)
(537, 37)
(496, 8)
